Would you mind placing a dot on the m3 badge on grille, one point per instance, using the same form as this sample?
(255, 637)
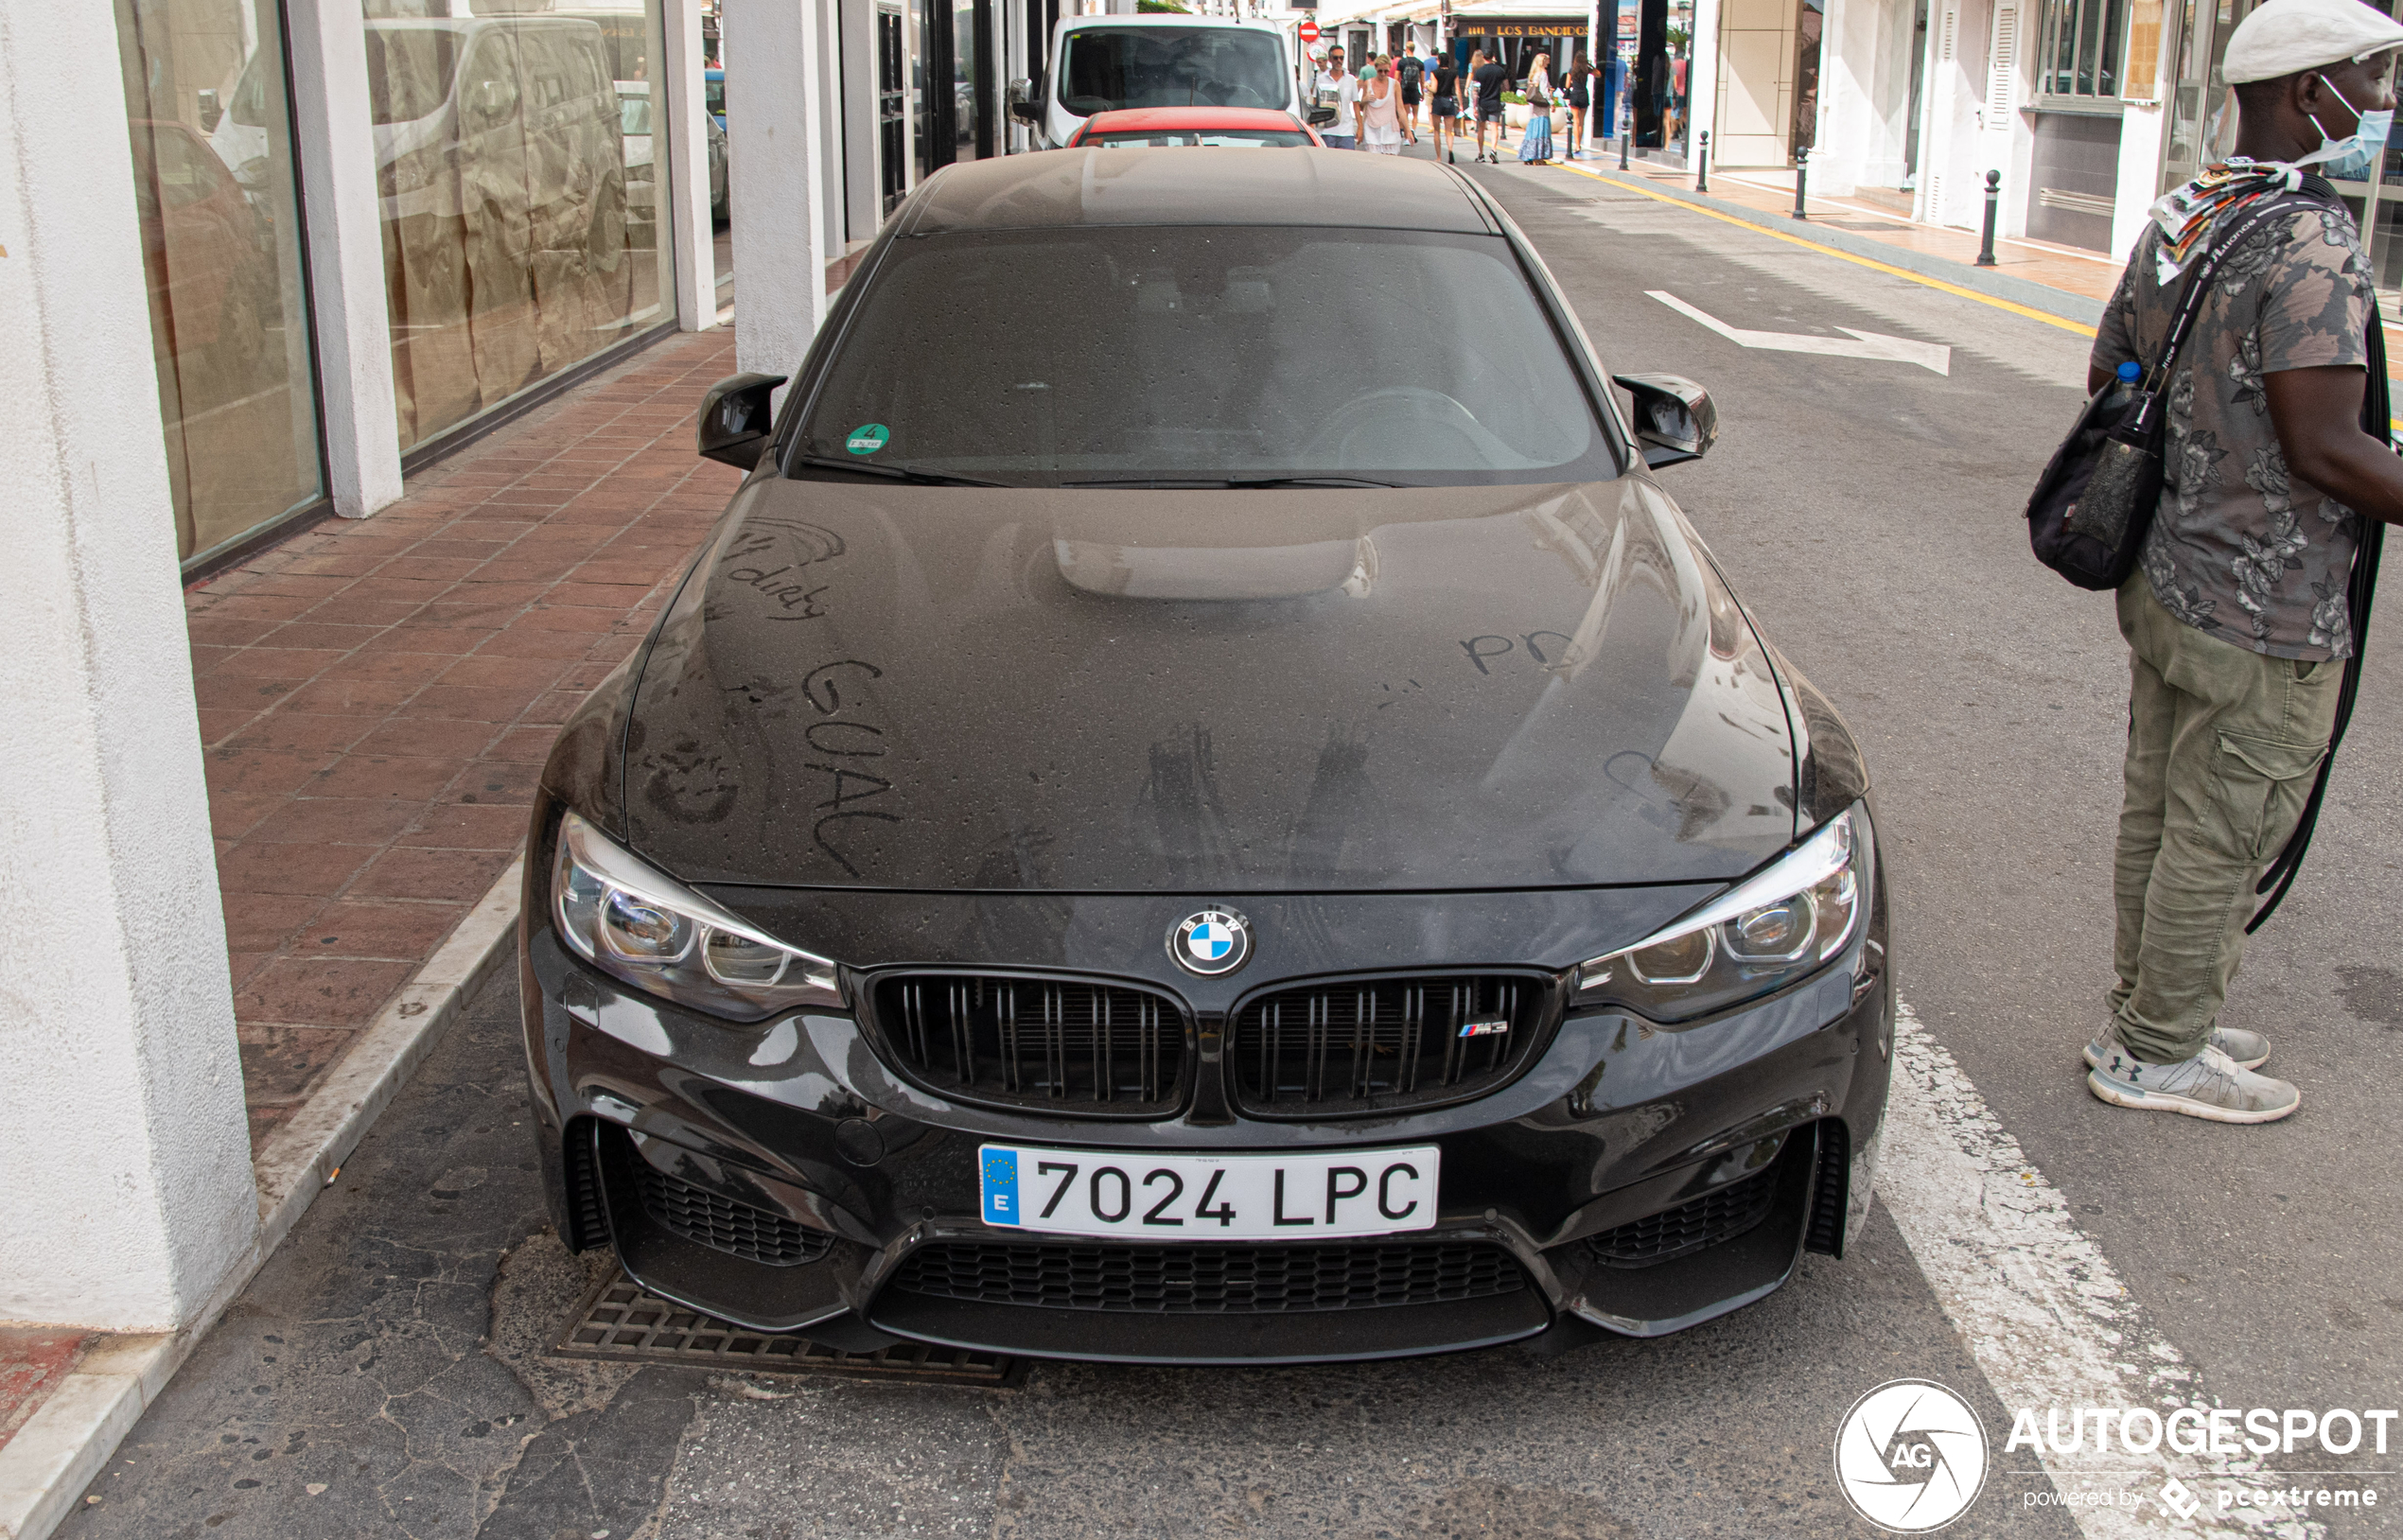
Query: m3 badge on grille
(1210, 943)
(1484, 1026)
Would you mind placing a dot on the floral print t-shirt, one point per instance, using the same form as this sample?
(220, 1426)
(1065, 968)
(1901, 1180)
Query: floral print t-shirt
(2240, 548)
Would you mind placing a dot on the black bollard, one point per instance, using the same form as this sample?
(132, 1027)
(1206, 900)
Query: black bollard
(1994, 202)
(1702, 164)
(1801, 181)
(1626, 136)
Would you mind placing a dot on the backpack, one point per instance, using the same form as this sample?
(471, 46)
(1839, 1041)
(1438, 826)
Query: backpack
(1411, 69)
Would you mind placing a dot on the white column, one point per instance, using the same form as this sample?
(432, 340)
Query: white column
(772, 81)
(344, 220)
(1702, 79)
(129, 1201)
(687, 114)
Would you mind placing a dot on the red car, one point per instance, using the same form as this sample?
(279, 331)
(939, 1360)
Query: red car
(1232, 127)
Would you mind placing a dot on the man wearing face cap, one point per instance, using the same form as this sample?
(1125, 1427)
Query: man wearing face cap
(2240, 618)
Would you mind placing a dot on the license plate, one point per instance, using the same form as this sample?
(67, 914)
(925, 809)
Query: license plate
(1085, 1192)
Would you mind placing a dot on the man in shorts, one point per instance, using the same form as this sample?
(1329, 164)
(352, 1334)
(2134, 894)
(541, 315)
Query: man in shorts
(1407, 70)
(1490, 78)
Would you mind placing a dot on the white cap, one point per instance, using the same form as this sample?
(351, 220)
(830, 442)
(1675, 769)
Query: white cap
(2286, 37)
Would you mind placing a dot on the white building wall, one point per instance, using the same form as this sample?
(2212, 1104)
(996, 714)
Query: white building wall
(129, 1202)
(1864, 95)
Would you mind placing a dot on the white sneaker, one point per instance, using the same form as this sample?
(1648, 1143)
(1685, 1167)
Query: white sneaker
(2250, 1050)
(2209, 1085)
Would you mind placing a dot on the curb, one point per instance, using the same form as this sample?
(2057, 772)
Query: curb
(62, 1447)
(2020, 291)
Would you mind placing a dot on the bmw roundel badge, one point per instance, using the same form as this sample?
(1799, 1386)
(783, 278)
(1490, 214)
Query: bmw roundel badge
(1210, 943)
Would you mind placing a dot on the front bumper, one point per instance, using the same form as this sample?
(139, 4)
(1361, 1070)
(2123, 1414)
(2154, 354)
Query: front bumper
(1723, 1148)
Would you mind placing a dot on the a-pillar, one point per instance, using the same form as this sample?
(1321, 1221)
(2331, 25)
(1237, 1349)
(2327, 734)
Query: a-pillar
(774, 79)
(127, 1203)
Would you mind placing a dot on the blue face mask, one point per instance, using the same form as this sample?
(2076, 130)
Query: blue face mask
(2349, 159)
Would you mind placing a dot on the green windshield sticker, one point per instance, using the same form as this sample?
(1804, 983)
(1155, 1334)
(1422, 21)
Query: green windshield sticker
(868, 438)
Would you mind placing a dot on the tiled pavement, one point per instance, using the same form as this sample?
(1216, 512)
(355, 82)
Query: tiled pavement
(376, 698)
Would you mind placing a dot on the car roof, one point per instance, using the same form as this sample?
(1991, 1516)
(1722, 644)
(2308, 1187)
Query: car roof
(1098, 186)
(1126, 119)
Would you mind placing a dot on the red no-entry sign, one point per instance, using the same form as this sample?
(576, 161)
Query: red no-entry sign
(1308, 31)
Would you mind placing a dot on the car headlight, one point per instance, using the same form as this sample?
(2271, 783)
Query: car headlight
(651, 931)
(1775, 928)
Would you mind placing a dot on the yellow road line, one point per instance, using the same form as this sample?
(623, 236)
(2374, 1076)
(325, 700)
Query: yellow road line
(2029, 311)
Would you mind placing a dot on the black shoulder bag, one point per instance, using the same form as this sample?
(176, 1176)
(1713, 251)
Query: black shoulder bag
(2090, 509)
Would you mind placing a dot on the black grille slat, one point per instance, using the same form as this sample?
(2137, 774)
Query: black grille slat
(705, 1218)
(586, 1216)
(1829, 1189)
(1063, 1044)
(1715, 1216)
(1209, 1279)
(1373, 1045)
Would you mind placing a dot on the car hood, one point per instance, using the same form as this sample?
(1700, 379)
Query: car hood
(1223, 692)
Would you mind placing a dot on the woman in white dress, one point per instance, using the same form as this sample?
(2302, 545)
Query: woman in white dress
(1381, 127)
(1536, 150)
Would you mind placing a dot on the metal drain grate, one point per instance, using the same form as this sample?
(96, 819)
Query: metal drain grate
(623, 1322)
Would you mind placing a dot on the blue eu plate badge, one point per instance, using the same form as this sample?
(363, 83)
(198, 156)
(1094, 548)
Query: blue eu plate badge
(1001, 1186)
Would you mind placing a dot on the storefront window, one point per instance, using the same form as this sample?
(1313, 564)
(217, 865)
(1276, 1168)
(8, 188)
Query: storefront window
(213, 183)
(524, 223)
(2084, 44)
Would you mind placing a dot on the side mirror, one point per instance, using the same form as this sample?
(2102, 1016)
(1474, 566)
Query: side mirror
(1675, 419)
(211, 112)
(1321, 116)
(1027, 112)
(735, 421)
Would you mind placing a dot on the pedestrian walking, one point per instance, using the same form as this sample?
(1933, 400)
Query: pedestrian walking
(2243, 618)
(1344, 133)
(1444, 109)
(1381, 127)
(1580, 98)
(1534, 148)
(1488, 78)
(1411, 73)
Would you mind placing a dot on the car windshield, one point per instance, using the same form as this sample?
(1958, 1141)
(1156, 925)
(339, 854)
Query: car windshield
(1211, 138)
(1109, 68)
(1208, 356)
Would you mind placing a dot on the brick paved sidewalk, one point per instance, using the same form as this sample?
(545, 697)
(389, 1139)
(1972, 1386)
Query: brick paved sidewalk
(377, 697)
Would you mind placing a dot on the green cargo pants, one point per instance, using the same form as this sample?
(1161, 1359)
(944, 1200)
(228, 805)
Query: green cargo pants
(2223, 746)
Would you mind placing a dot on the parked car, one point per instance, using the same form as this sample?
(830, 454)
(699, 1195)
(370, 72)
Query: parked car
(1110, 63)
(1171, 821)
(1217, 128)
(206, 256)
(636, 125)
(501, 121)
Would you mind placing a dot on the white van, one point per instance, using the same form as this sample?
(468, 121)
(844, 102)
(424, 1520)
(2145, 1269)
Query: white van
(512, 118)
(1102, 64)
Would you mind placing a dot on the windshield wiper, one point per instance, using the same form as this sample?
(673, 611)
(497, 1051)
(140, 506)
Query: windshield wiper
(897, 473)
(1241, 482)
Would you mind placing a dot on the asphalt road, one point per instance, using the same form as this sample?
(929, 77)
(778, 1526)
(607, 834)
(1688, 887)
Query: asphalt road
(385, 1376)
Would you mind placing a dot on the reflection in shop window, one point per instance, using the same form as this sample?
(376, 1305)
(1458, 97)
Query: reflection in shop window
(206, 107)
(516, 240)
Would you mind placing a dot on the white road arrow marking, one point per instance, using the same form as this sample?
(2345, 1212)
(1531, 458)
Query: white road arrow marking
(1867, 344)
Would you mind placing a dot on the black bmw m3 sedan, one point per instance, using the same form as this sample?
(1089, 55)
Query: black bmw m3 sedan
(1202, 805)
